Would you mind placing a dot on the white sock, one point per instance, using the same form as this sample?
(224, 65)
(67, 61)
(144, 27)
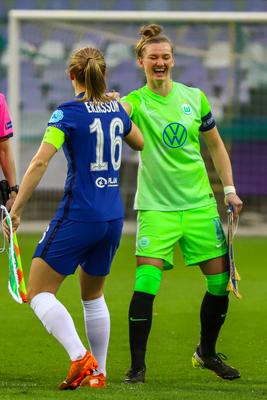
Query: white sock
(97, 327)
(57, 321)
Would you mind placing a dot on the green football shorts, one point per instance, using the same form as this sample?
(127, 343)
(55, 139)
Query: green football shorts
(198, 231)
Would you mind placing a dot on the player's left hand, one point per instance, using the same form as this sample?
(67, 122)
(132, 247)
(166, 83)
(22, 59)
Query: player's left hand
(15, 224)
(10, 203)
(233, 200)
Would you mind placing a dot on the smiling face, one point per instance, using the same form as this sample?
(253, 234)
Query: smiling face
(157, 62)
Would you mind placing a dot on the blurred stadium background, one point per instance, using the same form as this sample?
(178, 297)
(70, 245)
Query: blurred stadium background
(229, 62)
(226, 60)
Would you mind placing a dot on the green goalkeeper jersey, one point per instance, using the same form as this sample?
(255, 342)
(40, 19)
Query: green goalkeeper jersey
(172, 174)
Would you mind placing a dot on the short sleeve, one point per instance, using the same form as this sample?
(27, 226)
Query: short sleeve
(62, 119)
(128, 126)
(208, 121)
(126, 121)
(6, 128)
(134, 101)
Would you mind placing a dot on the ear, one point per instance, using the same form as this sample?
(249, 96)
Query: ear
(72, 76)
(140, 63)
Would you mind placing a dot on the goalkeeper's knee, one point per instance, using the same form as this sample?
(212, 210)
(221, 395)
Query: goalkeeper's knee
(217, 284)
(148, 279)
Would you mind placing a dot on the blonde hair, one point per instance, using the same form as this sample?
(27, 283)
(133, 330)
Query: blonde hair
(89, 68)
(151, 33)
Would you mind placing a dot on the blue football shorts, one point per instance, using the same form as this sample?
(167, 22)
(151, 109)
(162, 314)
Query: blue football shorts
(92, 245)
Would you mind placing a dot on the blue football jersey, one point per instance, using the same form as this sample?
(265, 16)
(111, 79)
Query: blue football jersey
(93, 146)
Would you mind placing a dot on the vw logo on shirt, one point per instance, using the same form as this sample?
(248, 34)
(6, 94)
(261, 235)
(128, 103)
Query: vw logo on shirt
(175, 135)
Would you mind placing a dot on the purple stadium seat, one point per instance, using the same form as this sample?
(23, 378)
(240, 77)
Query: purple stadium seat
(125, 78)
(89, 5)
(3, 86)
(32, 33)
(22, 4)
(66, 36)
(58, 4)
(32, 100)
(123, 5)
(225, 5)
(249, 160)
(196, 36)
(195, 75)
(256, 5)
(4, 8)
(156, 5)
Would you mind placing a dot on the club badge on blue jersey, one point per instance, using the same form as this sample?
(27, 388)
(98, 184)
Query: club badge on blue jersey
(56, 116)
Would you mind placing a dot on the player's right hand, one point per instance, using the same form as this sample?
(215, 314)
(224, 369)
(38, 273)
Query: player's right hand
(114, 95)
(231, 199)
(15, 221)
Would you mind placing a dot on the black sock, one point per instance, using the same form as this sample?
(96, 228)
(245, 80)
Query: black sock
(140, 320)
(212, 316)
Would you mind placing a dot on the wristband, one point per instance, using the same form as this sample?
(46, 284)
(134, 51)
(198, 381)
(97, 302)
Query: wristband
(14, 189)
(229, 189)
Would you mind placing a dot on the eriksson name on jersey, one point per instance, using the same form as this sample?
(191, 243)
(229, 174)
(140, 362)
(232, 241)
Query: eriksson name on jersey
(111, 106)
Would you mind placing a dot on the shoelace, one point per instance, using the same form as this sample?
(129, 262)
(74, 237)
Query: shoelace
(221, 356)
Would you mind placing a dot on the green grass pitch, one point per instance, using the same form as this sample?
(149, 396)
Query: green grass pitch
(33, 363)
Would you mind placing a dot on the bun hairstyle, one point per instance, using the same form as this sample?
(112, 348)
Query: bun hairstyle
(89, 68)
(150, 30)
(151, 33)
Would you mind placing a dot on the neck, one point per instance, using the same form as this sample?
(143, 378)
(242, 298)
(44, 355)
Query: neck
(162, 88)
(78, 88)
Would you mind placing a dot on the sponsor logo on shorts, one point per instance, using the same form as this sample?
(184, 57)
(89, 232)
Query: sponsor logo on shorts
(218, 229)
(56, 116)
(102, 182)
(219, 233)
(175, 135)
(144, 242)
